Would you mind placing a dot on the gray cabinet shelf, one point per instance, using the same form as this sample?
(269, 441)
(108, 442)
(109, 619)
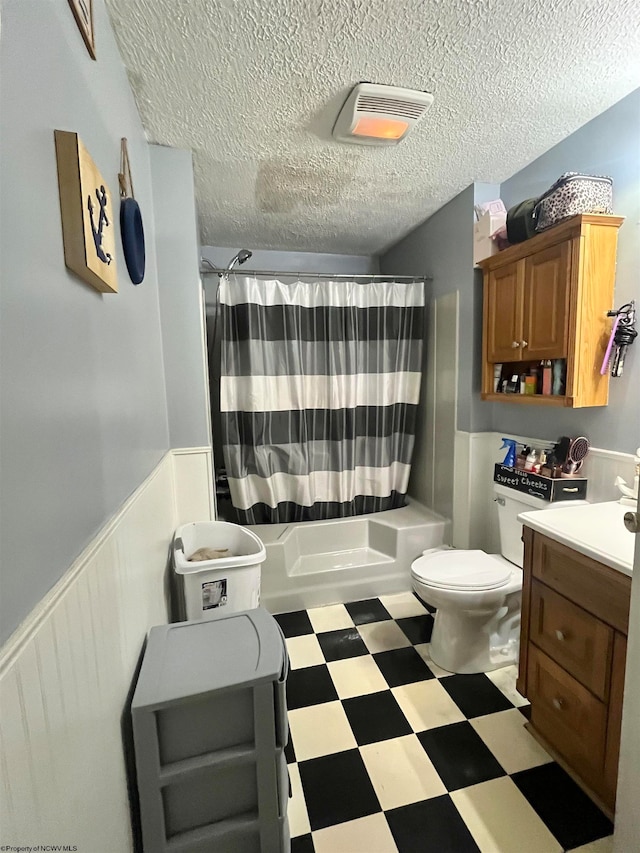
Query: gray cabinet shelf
(210, 726)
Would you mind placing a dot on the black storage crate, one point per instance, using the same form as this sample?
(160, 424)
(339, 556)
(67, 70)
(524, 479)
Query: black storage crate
(563, 489)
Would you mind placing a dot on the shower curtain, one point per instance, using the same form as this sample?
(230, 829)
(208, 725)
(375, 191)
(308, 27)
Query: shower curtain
(318, 394)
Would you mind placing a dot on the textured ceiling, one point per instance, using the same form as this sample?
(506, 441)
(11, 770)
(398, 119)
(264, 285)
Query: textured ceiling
(254, 87)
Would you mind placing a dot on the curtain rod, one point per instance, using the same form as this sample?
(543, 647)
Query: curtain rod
(346, 276)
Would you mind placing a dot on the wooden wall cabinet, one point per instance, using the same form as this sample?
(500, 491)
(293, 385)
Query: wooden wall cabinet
(573, 640)
(547, 298)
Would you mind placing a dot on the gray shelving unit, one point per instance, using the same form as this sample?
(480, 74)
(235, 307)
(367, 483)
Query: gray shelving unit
(210, 726)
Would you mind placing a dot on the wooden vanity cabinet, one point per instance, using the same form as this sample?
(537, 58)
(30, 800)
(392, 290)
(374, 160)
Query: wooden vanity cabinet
(547, 298)
(575, 614)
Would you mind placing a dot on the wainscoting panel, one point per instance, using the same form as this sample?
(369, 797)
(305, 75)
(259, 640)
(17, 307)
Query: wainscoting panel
(66, 672)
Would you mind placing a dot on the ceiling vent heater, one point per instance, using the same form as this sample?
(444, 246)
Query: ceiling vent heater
(380, 115)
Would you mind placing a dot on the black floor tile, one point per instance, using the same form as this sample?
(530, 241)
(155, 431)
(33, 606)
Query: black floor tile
(337, 788)
(525, 710)
(302, 844)
(338, 645)
(475, 695)
(310, 685)
(459, 755)
(294, 624)
(562, 805)
(417, 628)
(370, 610)
(431, 825)
(402, 666)
(375, 717)
(428, 607)
(289, 751)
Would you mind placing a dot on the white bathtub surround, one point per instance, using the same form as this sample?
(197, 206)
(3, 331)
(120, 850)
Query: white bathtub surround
(475, 518)
(66, 672)
(315, 563)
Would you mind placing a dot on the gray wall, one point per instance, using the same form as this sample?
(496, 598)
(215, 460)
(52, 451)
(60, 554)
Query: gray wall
(180, 290)
(442, 249)
(266, 259)
(83, 406)
(608, 145)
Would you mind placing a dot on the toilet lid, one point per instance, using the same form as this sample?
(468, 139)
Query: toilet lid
(461, 570)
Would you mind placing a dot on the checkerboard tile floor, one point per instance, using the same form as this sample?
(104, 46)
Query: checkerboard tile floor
(388, 753)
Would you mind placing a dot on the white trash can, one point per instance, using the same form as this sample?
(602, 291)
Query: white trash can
(227, 584)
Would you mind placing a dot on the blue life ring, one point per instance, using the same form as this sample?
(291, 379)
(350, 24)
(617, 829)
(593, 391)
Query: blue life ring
(132, 234)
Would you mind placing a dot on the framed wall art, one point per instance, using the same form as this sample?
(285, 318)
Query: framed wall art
(83, 13)
(86, 206)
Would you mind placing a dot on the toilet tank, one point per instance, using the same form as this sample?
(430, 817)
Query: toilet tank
(510, 505)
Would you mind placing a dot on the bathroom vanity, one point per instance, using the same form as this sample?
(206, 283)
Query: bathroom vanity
(575, 613)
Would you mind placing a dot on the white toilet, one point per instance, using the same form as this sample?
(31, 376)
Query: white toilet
(477, 595)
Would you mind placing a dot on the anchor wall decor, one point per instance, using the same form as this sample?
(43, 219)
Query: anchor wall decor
(88, 229)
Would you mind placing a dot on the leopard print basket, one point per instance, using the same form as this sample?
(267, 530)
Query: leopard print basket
(571, 194)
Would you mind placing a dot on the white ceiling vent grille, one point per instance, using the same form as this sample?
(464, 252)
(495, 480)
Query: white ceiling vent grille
(380, 115)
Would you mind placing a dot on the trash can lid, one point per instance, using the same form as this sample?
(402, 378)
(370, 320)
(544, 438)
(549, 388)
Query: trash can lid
(194, 658)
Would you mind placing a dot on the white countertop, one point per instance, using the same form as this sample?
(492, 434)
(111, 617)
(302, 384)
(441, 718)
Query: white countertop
(596, 530)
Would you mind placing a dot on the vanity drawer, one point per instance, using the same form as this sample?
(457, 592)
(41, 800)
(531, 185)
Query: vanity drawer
(567, 715)
(575, 639)
(601, 590)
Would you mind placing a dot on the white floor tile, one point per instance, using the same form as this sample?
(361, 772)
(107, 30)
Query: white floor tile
(366, 835)
(297, 809)
(403, 604)
(383, 636)
(602, 845)
(356, 676)
(501, 820)
(505, 680)
(401, 772)
(426, 705)
(505, 735)
(320, 730)
(330, 618)
(304, 651)
(423, 651)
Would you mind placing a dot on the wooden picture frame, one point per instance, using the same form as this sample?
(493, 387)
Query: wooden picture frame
(86, 207)
(83, 13)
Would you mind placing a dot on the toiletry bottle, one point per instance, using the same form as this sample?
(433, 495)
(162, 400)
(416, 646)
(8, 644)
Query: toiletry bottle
(510, 458)
(542, 460)
(558, 376)
(521, 458)
(531, 460)
(546, 377)
(497, 374)
(535, 373)
(523, 383)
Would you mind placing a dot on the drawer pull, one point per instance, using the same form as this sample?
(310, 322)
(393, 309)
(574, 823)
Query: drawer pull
(558, 704)
(561, 636)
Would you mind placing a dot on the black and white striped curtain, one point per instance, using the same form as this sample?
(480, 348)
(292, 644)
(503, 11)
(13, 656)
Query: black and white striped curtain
(318, 395)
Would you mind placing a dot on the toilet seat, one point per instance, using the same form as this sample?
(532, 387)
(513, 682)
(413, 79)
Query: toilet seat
(461, 570)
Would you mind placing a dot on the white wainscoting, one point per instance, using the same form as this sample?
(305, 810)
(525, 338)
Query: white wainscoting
(66, 672)
(475, 517)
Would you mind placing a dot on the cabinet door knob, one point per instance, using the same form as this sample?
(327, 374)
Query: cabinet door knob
(515, 345)
(558, 704)
(524, 344)
(561, 636)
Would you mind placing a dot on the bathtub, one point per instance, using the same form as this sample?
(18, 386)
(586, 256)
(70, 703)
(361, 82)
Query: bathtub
(311, 563)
